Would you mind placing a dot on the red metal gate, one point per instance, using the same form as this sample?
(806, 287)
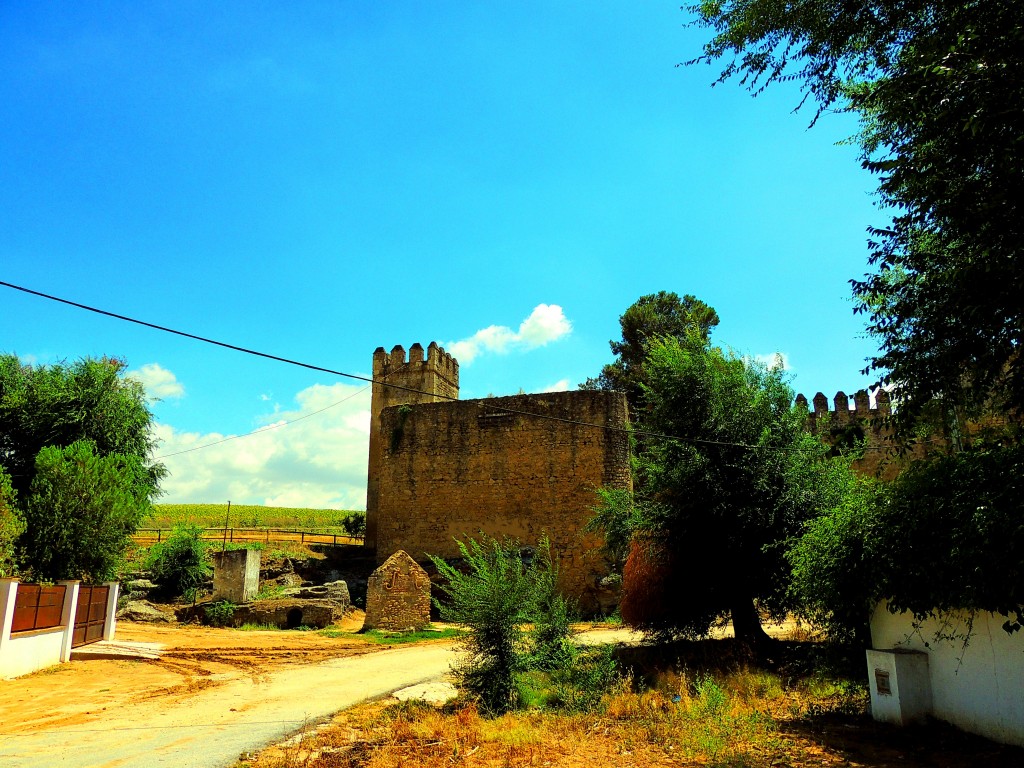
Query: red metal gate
(90, 615)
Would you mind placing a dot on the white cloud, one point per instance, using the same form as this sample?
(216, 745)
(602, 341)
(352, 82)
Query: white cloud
(312, 456)
(160, 383)
(778, 360)
(545, 324)
(562, 385)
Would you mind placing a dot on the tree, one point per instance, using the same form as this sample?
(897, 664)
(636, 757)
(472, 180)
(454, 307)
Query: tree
(933, 82)
(76, 444)
(715, 506)
(81, 512)
(56, 405)
(649, 318)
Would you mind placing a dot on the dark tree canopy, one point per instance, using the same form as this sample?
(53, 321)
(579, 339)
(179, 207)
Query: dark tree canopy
(938, 87)
(75, 443)
(649, 318)
(57, 405)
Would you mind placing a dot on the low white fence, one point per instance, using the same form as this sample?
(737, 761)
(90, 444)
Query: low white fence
(39, 632)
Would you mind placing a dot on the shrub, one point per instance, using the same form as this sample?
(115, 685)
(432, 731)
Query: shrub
(354, 523)
(12, 524)
(493, 599)
(179, 564)
(220, 613)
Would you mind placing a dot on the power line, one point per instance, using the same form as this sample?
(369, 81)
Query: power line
(261, 430)
(381, 382)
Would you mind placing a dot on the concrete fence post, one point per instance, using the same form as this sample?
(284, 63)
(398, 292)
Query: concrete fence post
(110, 623)
(67, 617)
(8, 594)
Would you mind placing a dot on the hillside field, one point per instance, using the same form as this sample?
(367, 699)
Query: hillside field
(251, 516)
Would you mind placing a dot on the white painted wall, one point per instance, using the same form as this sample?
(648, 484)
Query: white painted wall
(29, 651)
(979, 688)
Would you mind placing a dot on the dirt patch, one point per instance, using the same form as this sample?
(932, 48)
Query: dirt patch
(194, 659)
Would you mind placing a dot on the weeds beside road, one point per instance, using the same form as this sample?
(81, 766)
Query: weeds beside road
(705, 706)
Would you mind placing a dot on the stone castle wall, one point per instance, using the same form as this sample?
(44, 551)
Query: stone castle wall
(419, 378)
(843, 427)
(447, 470)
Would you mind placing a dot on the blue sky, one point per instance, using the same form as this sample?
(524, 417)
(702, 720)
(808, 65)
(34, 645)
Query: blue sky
(318, 180)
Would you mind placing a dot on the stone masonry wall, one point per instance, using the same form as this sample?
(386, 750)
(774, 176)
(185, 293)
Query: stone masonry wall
(422, 377)
(866, 422)
(448, 470)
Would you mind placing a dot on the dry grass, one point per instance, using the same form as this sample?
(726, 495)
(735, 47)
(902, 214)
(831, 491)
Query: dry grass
(683, 721)
(705, 707)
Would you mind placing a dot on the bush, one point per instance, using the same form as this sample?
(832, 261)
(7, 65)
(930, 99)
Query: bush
(493, 599)
(220, 613)
(354, 523)
(497, 592)
(12, 524)
(946, 535)
(179, 564)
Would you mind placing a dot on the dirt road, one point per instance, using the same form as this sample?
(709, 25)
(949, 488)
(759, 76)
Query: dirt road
(211, 697)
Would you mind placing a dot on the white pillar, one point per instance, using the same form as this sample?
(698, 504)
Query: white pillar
(8, 593)
(111, 621)
(67, 617)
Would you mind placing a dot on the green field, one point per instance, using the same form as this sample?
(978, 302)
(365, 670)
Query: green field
(250, 516)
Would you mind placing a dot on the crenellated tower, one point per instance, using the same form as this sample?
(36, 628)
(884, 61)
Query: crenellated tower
(401, 380)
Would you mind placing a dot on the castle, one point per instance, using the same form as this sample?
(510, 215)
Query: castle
(441, 469)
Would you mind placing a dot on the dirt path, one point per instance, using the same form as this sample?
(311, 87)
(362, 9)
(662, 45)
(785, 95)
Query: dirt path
(213, 695)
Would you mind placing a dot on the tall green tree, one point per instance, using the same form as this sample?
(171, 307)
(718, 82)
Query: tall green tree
(75, 442)
(81, 512)
(715, 505)
(59, 404)
(935, 83)
(645, 321)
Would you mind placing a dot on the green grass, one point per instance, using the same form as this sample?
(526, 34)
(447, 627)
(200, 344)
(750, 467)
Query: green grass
(381, 637)
(249, 516)
(259, 628)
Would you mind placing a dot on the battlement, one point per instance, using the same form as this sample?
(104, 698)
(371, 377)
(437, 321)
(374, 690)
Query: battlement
(436, 360)
(862, 406)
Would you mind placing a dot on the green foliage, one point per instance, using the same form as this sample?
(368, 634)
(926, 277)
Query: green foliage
(944, 536)
(649, 318)
(354, 523)
(75, 445)
(270, 592)
(493, 599)
(494, 595)
(350, 522)
(12, 524)
(57, 405)
(382, 637)
(930, 81)
(220, 613)
(583, 678)
(616, 516)
(721, 501)
(834, 568)
(81, 511)
(180, 563)
(949, 535)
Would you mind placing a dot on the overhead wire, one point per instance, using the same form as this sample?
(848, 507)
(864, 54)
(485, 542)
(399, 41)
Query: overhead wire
(381, 382)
